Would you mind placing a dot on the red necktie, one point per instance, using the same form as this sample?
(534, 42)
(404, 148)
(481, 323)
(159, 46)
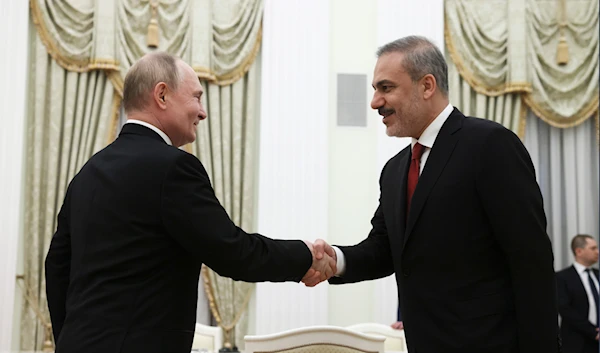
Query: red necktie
(413, 173)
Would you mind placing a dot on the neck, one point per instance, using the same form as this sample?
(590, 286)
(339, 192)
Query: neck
(583, 263)
(146, 117)
(436, 109)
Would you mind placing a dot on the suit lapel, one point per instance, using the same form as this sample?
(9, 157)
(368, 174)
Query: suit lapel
(436, 162)
(400, 201)
(580, 286)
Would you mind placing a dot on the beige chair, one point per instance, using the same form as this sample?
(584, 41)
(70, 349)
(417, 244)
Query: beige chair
(209, 338)
(394, 339)
(315, 339)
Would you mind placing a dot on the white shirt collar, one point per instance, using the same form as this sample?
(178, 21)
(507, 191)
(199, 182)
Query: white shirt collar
(579, 267)
(153, 128)
(431, 132)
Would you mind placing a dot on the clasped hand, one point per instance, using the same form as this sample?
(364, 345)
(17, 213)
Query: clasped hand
(324, 265)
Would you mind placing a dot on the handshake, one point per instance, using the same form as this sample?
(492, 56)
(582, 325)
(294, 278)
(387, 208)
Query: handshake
(324, 264)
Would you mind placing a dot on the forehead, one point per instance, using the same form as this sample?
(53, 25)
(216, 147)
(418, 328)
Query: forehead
(590, 242)
(389, 67)
(189, 77)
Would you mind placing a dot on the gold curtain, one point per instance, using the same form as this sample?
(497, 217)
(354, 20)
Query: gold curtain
(68, 121)
(506, 109)
(218, 38)
(517, 48)
(226, 145)
(83, 49)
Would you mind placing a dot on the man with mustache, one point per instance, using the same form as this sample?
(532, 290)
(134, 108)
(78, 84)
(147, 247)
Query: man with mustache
(140, 219)
(460, 220)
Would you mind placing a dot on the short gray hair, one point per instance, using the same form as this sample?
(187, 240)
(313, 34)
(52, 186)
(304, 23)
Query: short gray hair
(580, 241)
(421, 57)
(145, 74)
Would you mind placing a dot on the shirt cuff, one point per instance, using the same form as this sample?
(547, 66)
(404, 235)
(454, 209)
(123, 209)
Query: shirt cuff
(341, 261)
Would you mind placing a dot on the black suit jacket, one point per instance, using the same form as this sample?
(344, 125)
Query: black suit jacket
(578, 334)
(473, 262)
(137, 222)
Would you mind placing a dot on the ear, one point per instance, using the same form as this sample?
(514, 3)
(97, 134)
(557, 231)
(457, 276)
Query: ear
(429, 86)
(159, 95)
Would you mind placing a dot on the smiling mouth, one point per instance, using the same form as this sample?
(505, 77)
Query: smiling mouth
(385, 112)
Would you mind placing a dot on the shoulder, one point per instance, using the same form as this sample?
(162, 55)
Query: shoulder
(397, 160)
(484, 130)
(494, 143)
(566, 272)
(182, 162)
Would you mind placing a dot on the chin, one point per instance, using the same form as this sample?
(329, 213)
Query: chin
(393, 131)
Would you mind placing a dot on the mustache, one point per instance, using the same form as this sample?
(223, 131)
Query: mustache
(385, 111)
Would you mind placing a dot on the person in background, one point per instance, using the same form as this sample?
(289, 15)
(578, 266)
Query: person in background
(578, 298)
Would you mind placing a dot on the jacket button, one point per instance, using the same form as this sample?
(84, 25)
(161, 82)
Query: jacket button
(406, 272)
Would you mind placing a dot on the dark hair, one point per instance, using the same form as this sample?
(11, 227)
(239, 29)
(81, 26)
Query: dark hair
(579, 242)
(421, 57)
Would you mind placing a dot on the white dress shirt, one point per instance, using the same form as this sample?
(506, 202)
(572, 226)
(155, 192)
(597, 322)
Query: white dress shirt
(583, 275)
(153, 128)
(427, 140)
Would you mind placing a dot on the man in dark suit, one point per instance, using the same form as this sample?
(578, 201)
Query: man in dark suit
(472, 259)
(578, 298)
(139, 220)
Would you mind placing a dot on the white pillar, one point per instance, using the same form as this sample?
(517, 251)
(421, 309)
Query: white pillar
(14, 24)
(292, 194)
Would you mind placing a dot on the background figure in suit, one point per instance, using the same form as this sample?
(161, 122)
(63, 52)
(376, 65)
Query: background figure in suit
(578, 298)
(139, 220)
(473, 262)
(399, 324)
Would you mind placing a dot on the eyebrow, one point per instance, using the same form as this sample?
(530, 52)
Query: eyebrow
(381, 83)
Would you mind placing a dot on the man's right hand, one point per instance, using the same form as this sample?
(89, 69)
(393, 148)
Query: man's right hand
(324, 263)
(398, 325)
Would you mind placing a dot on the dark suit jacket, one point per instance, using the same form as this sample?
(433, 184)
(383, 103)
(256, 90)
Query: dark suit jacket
(578, 334)
(137, 222)
(473, 262)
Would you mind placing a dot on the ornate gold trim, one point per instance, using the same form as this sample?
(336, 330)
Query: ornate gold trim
(559, 121)
(208, 288)
(523, 121)
(235, 74)
(117, 81)
(209, 293)
(472, 80)
(114, 117)
(205, 73)
(113, 67)
(103, 64)
(33, 302)
(64, 61)
(598, 127)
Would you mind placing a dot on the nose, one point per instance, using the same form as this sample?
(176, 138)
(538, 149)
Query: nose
(202, 114)
(377, 101)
